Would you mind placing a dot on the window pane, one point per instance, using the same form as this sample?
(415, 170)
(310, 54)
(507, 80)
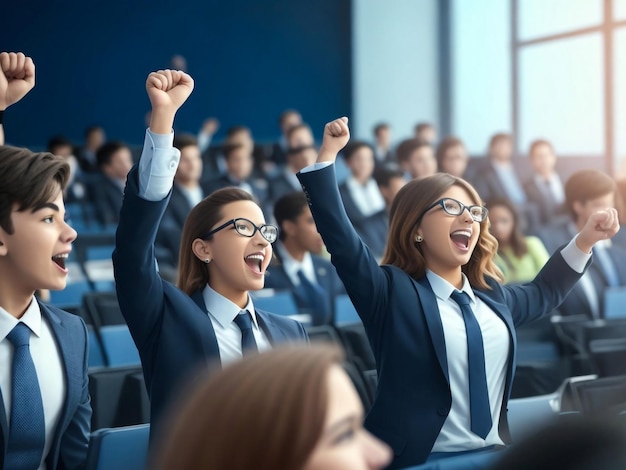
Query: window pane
(561, 95)
(619, 102)
(619, 10)
(546, 17)
(481, 71)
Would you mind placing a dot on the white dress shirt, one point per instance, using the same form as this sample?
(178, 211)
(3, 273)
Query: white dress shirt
(292, 265)
(554, 185)
(193, 196)
(366, 196)
(47, 359)
(222, 313)
(508, 176)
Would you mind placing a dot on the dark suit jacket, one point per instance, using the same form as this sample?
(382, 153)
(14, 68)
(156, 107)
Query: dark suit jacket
(372, 229)
(107, 198)
(405, 331)
(71, 437)
(547, 207)
(259, 188)
(327, 278)
(279, 185)
(577, 302)
(172, 331)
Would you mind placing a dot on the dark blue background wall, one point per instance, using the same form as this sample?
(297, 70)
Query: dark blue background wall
(250, 60)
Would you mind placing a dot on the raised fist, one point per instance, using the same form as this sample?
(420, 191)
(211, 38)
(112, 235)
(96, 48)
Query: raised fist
(17, 77)
(168, 89)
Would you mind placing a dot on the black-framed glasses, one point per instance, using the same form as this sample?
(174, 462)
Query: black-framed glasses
(247, 228)
(453, 207)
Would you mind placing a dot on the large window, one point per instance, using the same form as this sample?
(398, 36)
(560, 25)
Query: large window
(550, 69)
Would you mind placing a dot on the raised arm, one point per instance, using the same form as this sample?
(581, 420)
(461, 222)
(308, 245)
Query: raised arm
(364, 280)
(139, 287)
(17, 78)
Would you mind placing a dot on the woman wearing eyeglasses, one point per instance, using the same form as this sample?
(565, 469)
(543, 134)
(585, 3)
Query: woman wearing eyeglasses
(225, 250)
(441, 325)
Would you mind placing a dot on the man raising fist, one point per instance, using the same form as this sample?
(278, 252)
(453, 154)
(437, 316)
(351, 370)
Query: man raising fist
(17, 77)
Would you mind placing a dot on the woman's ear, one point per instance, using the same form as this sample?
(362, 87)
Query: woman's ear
(201, 249)
(3, 246)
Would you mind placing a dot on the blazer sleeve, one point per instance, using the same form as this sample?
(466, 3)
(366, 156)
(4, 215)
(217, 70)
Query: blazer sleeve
(138, 284)
(365, 281)
(531, 301)
(75, 440)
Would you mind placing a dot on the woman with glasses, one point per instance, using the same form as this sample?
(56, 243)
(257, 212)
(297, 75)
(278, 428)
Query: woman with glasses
(225, 250)
(441, 325)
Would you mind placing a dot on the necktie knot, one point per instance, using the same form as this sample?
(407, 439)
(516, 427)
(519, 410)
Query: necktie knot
(19, 335)
(243, 320)
(460, 297)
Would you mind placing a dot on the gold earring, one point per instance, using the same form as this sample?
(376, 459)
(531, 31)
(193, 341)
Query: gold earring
(419, 239)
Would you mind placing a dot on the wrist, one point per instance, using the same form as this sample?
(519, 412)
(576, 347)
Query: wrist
(326, 155)
(583, 245)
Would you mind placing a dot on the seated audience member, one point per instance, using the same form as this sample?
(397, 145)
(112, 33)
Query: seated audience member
(186, 193)
(214, 161)
(426, 132)
(361, 198)
(62, 147)
(382, 143)
(312, 279)
(293, 408)
(107, 187)
(495, 177)
(86, 154)
(519, 258)
(239, 166)
(288, 119)
(44, 406)
(300, 135)
(225, 250)
(286, 181)
(416, 158)
(390, 179)
(545, 188)
(585, 192)
(579, 443)
(452, 157)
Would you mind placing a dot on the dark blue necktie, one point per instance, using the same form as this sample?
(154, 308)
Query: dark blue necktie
(480, 412)
(316, 297)
(248, 343)
(27, 433)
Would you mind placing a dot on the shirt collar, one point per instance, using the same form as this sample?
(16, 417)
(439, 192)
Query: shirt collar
(31, 318)
(223, 310)
(291, 265)
(443, 289)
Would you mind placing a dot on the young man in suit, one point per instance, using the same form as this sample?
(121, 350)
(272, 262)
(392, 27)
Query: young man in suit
(44, 400)
(312, 279)
(585, 192)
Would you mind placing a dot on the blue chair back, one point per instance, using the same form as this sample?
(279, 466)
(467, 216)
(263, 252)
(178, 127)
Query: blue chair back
(118, 346)
(96, 356)
(345, 313)
(280, 302)
(124, 448)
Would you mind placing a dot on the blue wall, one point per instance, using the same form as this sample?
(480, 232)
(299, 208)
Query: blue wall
(250, 60)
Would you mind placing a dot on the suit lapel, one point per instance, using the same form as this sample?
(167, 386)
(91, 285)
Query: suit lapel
(273, 332)
(206, 331)
(428, 300)
(72, 362)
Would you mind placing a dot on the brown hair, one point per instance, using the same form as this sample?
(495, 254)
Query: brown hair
(264, 412)
(28, 180)
(585, 185)
(407, 147)
(403, 252)
(193, 274)
(518, 241)
(445, 145)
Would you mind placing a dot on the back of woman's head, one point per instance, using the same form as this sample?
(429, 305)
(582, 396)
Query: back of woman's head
(192, 272)
(266, 412)
(405, 253)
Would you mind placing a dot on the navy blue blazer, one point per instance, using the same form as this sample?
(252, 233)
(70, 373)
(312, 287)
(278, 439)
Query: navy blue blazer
(327, 278)
(372, 229)
(404, 327)
(172, 331)
(106, 197)
(71, 437)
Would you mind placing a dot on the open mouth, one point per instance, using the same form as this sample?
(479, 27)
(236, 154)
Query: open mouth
(255, 262)
(60, 259)
(461, 238)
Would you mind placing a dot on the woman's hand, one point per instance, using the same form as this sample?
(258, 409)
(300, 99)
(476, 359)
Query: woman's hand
(336, 136)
